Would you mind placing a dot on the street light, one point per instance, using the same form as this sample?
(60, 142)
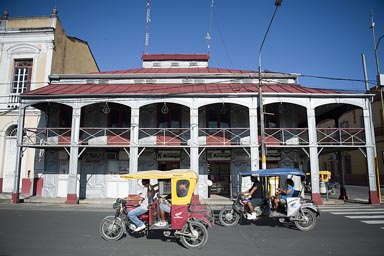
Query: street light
(262, 128)
(380, 87)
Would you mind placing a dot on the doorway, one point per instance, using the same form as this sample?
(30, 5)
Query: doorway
(219, 174)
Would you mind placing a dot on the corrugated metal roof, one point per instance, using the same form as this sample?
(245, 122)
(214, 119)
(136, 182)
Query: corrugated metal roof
(170, 88)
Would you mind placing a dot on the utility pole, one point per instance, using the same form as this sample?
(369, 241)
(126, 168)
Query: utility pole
(262, 125)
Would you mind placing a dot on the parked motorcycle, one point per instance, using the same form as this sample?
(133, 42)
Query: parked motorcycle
(332, 187)
(302, 212)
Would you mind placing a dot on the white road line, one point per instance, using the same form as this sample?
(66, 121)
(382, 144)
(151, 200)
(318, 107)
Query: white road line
(373, 221)
(366, 217)
(365, 212)
(354, 209)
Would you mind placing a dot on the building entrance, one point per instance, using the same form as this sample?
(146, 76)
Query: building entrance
(219, 174)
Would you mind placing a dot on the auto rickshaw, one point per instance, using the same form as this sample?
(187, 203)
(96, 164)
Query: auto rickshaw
(188, 219)
(297, 210)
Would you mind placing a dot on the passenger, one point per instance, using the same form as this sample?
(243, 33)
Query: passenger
(256, 197)
(165, 206)
(282, 195)
(143, 208)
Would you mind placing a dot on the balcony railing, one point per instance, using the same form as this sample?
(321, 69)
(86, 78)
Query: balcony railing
(286, 136)
(164, 136)
(224, 136)
(341, 136)
(229, 137)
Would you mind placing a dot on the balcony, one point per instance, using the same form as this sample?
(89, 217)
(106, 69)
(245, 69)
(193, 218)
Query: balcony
(180, 137)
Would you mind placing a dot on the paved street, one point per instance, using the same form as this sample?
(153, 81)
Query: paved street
(60, 230)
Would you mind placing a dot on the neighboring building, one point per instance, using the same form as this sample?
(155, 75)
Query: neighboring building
(31, 48)
(177, 112)
(349, 164)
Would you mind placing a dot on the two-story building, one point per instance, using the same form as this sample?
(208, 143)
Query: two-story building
(31, 49)
(178, 112)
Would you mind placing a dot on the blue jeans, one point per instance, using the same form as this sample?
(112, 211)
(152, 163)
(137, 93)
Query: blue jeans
(132, 215)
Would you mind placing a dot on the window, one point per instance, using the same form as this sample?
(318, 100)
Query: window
(11, 131)
(182, 188)
(22, 76)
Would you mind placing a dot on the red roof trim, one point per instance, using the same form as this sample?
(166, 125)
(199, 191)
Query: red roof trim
(161, 89)
(159, 57)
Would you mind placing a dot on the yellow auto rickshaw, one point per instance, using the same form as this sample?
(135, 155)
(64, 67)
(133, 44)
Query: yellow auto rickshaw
(188, 219)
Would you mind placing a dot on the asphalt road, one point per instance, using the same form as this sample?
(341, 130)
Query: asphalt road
(73, 231)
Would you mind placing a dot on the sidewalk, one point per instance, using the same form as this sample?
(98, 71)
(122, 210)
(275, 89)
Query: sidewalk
(215, 201)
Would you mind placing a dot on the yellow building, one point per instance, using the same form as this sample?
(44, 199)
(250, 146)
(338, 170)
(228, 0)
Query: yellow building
(31, 49)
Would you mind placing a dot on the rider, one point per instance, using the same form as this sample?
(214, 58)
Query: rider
(165, 207)
(283, 194)
(143, 208)
(256, 197)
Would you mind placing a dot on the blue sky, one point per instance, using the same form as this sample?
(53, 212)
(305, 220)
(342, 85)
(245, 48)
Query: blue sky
(314, 38)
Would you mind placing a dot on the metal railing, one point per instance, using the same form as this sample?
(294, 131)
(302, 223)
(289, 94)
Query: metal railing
(229, 137)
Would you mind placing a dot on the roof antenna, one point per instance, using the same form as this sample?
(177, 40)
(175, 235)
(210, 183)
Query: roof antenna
(147, 27)
(208, 37)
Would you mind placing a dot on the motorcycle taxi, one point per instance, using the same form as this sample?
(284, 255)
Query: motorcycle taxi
(188, 219)
(302, 212)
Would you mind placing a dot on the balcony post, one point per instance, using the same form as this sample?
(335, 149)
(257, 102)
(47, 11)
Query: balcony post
(134, 148)
(370, 147)
(254, 140)
(72, 197)
(313, 156)
(19, 155)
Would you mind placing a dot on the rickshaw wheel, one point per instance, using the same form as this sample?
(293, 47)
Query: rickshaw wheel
(196, 235)
(228, 217)
(306, 221)
(111, 228)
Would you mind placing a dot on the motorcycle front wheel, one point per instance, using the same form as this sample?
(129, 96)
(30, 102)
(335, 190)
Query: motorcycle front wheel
(306, 220)
(111, 228)
(195, 235)
(228, 217)
(332, 191)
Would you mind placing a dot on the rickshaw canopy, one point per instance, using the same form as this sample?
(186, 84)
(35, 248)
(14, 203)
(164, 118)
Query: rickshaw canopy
(273, 172)
(156, 174)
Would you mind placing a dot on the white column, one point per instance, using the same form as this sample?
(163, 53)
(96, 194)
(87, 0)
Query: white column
(313, 155)
(19, 154)
(194, 119)
(370, 148)
(74, 157)
(134, 148)
(2, 154)
(254, 139)
(202, 189)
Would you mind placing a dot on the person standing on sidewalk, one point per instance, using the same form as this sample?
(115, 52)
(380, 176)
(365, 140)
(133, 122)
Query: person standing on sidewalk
(142, 208)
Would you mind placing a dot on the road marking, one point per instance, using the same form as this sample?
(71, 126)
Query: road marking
(366, 217)
(346, 210)
(354, 212)
(373, 221)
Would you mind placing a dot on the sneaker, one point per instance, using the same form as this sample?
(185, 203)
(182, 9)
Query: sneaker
(139, 228)
(253, 216)
(161, 224)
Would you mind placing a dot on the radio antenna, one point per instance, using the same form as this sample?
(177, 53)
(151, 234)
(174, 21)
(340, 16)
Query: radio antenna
(148, 21)
(208, 37)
